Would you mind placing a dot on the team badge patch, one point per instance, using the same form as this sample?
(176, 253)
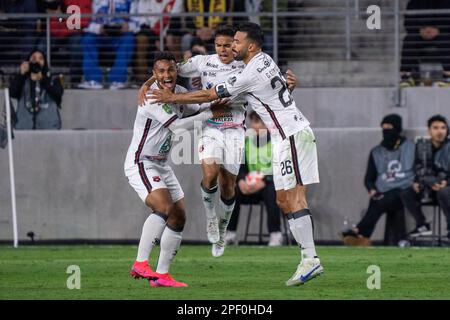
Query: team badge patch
(156, 179)
(167, 108)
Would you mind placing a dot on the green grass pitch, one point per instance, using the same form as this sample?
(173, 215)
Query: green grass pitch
(244, 272)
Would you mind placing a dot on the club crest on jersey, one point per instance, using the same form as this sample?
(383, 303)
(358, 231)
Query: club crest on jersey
(167, 108)
(232, 80)
(156, 178)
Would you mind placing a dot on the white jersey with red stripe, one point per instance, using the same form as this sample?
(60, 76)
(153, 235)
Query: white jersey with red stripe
(266, 91)
(212, 71)
(152, 138)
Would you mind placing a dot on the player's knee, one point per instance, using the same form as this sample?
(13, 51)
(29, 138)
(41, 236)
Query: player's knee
(161, 207)
(209, 180)
(227, 189)
(177, 219)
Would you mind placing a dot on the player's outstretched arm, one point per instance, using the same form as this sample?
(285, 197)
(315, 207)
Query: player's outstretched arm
(217, 109)
(200, 96)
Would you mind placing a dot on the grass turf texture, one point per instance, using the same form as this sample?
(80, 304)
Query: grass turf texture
(244, 272)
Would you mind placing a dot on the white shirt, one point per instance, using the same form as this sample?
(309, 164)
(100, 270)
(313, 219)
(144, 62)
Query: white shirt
(154, 126)
(154, 6)
(266, 90)
(212, 71)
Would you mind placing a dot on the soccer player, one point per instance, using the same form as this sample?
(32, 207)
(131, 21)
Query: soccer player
(222, 141)
(294, 146)
(153, 179)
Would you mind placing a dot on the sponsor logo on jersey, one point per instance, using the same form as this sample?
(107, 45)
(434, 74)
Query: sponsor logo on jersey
(156, 178)
(167, 108)
(209, 74)
(201, 148)
(266, 65)
(212, 65)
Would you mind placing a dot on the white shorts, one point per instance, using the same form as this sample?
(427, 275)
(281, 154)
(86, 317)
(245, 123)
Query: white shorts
(294, 160)
(147, 176)
(226, 146)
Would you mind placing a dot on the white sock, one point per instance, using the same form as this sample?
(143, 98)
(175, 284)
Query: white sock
(209, 199)
(151, 235)
(300, 223)
(226, 210)
(170, 243)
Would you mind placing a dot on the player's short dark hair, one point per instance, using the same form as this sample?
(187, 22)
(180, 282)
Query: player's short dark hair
(254, 116)
(254, 32)
(163, 55)
(437, 118)
(226, 30)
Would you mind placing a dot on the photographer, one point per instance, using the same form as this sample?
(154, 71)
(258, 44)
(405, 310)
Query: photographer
(39, 96)
(390, 170)
(432, 168)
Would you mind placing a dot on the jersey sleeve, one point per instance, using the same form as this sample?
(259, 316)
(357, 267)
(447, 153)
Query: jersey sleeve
(235, 85)
(161, 112)
(191, 67)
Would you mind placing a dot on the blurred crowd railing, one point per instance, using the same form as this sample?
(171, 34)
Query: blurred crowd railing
(338, 35)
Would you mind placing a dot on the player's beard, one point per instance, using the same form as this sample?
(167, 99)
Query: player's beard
(240, 56)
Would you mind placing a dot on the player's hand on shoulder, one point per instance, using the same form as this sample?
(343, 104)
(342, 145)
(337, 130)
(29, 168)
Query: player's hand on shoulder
(291, 80)
(161, 95)
(142, 95)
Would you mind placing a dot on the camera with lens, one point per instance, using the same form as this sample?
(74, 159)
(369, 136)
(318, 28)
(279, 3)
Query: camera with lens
(427, 175)
(35, 67)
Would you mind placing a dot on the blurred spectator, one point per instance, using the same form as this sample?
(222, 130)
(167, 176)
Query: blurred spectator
(427, 40)
(390, 170)
(64, 41)
(197, 48)
(148, 29)
(18, 34)
(255, 182)
(111, 36)
(39, 95)
(432, 169)
(204, 26)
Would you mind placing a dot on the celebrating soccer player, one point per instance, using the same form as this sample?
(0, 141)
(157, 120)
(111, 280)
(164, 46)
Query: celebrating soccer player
(294, 145)
(153, 179)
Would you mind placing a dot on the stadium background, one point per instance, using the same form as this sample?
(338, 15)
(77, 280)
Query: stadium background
(70, 183)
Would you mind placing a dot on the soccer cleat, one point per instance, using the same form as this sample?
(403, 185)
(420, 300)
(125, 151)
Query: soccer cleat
(420, 231)
(219, 248)
(143, 270)
(306, 270)
(212, 230)
(166, 280)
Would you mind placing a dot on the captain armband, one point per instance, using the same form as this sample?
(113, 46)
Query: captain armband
(222, 91)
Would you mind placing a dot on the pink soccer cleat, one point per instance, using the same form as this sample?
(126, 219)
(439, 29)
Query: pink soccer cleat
(166, 280)
(142, 270)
